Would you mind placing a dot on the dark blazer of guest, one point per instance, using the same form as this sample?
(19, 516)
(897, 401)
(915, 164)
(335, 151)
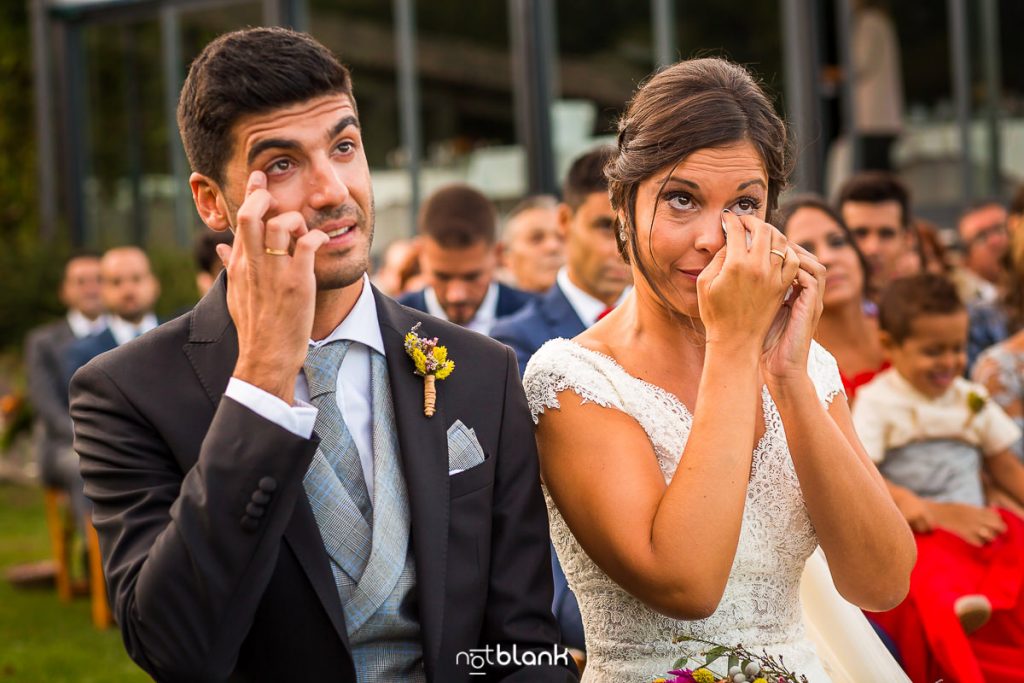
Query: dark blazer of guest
(45, 351)
(548, 317)
(80, 352)
(214, 561)
(510, 300)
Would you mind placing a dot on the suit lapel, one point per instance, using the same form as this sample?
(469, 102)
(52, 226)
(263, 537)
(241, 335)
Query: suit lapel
(212, 349)
(423, 443)
(560, 315)
(212, 345)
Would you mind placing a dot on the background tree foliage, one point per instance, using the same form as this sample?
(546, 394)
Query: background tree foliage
(29, 270)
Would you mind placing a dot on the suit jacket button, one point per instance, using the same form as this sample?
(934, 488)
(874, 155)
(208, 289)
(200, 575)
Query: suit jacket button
(260, 497)
(254, 510)
(250, 524)
(268, 484)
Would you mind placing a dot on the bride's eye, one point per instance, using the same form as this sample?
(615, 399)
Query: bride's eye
(680, 201)
(747, 205)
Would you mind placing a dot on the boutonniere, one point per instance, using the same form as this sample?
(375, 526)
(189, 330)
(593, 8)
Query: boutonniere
(975, 404)
(431, 363)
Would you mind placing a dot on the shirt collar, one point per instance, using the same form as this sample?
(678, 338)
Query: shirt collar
(586, 306)
(360, 325)
(482, 321)
(82, 326)
(125, 331)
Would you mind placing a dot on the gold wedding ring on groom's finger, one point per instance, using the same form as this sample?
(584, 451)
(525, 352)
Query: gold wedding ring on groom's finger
(284, 252)
(780, 254)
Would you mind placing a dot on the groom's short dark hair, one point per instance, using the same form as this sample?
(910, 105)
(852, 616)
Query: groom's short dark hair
(250, 72)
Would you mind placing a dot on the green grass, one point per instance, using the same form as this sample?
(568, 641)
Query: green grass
(41, 638)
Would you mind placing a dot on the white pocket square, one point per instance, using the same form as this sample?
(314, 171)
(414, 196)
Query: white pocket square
(464, 451)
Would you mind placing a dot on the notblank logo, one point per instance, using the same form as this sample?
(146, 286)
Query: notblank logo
(480, 658)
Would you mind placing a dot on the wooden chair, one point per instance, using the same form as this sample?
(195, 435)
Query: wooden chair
(61, 526)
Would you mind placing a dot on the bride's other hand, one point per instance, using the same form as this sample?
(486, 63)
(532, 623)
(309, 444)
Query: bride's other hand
(742, 288)
(789, 342)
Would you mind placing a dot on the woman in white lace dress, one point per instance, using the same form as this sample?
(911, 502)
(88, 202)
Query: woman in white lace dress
(696, 446)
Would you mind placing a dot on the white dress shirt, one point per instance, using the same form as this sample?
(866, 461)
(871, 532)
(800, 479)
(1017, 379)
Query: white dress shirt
(585, 305)
(484, 318)
(125, 331)
(355, 400)
(83, 327)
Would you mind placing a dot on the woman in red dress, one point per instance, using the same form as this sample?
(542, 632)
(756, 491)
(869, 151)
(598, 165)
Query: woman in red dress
(848, 327)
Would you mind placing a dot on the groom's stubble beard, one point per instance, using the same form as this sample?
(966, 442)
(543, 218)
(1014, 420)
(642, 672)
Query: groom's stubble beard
(336, 270)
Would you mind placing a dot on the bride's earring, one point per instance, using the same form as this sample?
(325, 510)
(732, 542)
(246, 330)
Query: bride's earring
(622, 235)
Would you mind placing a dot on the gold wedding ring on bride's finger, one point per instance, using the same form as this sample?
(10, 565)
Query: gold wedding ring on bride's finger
(284, 252)
(780, 254)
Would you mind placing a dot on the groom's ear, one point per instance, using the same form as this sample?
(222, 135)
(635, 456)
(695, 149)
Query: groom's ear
(210, 202)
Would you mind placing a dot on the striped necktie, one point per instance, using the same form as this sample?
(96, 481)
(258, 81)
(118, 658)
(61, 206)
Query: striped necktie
(339, 449)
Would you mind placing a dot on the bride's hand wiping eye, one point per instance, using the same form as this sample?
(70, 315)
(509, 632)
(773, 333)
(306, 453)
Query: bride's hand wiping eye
(788, 342)
(742, 287)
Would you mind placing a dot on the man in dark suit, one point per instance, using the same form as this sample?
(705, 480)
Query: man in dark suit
(592, 282)
(594, 278)
(239, 545)
(129, 291)
(459, 256)
(45, 350)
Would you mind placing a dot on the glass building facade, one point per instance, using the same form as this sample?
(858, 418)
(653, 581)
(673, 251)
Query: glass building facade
(504, 93)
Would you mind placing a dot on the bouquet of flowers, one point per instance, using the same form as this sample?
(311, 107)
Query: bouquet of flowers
(744, 666)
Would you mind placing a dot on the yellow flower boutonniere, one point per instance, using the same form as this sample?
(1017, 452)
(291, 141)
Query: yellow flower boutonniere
(431, 363)
(975, 404)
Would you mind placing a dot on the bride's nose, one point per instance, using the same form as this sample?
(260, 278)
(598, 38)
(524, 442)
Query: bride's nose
(710, 234)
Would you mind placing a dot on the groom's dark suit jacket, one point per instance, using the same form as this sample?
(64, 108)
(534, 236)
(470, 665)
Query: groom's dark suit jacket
(214, 561)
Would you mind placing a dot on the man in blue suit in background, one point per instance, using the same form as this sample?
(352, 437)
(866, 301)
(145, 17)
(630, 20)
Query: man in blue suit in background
(129, 290)
(458, 256)
(593, 281)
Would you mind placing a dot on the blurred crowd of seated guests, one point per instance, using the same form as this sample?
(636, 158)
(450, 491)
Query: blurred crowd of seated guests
(906, 318)
(910, 313)
(109, 300)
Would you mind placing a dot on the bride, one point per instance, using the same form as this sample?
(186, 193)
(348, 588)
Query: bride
(696, 445)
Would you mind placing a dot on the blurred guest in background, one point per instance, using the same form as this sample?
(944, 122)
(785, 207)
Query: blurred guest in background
(1016, 220)
(932, 255)
(996, 307)
(208, 264)
(933, 433)
(459, 255)
(1000, 360)
(399, 271)
(848, 328)
(876, 207)
(986, 242)
(877, 84)
(533, 244)
(45, 350)
(130, 291)
(595, 277)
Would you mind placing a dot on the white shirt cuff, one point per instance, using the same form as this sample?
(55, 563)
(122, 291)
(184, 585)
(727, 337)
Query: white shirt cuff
(297, 419)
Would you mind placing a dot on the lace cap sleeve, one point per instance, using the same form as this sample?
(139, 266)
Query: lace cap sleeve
(562, 365)
(824, 372)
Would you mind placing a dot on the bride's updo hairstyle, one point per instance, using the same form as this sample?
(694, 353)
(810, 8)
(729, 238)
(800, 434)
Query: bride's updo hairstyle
(691, 105)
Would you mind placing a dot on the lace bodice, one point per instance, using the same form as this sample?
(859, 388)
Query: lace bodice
(627, 641)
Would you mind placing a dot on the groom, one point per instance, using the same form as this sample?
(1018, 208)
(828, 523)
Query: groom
(273, 502)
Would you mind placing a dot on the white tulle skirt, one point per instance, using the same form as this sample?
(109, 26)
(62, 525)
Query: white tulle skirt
(847, 645)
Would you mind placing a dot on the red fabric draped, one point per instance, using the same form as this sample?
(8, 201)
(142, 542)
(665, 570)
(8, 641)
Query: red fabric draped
(925, 627)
